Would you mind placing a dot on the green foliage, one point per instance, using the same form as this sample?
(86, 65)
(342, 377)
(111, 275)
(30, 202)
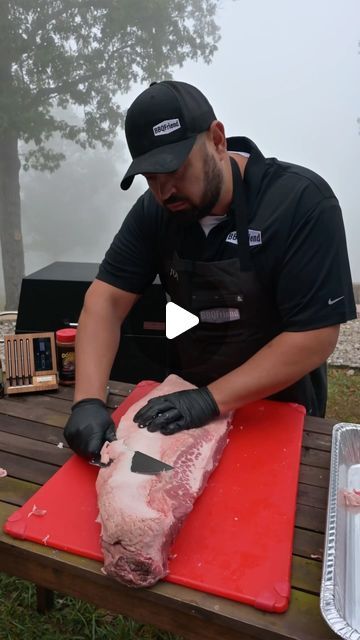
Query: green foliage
(42, 158)
(83, 54)
(70, 619)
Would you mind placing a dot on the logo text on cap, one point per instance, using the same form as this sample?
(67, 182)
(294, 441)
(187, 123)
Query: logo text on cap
(166, 126)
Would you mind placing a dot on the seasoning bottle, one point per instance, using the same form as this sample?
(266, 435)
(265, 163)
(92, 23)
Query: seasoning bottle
(65, 351)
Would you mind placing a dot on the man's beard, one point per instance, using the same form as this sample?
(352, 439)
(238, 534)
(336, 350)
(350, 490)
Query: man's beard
(213, 181)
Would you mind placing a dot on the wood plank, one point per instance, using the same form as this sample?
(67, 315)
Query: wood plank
(65, 392)
(314, 476)
(312, 496)
(30, 429)
(14, 407)
(60, 403)
(115, 388)
(306, 574)
(50, 401)
(321, 441)
(27, 469)
(29, 448)
(308, 544)
(319, 425)
(315, 458)
(311, 518)
(121, 388)
(16, 491)
(192, 614)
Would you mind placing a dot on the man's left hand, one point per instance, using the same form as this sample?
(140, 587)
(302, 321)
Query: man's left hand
(178, 411)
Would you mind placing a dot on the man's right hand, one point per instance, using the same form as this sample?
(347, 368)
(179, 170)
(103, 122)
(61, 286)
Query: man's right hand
(89, 427)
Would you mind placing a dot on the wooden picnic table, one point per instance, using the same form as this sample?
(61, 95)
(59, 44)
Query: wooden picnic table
(31, 427)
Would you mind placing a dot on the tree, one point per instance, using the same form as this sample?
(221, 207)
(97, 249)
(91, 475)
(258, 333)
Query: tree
(82, 54)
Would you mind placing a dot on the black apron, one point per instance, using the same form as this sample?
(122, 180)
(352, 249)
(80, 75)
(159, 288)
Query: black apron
(237, 313)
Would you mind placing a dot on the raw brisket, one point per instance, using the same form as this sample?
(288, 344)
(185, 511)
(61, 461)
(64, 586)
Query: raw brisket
(140, 514)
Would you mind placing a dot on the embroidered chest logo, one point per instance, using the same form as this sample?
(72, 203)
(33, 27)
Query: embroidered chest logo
(254, 237)
(232, 237)
(166, 126)
(333, 300)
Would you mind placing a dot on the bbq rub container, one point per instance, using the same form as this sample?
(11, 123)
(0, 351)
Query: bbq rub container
(65, 353)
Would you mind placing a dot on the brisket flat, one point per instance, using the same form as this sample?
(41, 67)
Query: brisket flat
(140, 514)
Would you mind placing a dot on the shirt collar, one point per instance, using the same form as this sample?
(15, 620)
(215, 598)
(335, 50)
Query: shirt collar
(254, 169)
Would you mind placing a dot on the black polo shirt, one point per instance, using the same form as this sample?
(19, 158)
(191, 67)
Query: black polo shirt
(296, 237)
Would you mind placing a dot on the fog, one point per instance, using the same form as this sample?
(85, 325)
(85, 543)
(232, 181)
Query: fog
(285, 74)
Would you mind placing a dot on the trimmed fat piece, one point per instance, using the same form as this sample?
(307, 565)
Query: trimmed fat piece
(140, 515)
(352, 498)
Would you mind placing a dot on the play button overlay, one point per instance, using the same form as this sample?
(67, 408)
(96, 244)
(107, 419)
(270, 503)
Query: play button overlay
(178, 320)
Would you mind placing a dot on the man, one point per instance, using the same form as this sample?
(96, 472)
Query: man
(255, 247)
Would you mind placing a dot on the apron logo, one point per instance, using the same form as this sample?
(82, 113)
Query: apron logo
(166, 126)
(219, 315)
(254, 237)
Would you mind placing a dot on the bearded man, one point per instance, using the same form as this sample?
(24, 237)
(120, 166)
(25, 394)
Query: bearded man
(253, 246)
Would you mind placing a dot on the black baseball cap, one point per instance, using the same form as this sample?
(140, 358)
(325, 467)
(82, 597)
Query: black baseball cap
(161, 127)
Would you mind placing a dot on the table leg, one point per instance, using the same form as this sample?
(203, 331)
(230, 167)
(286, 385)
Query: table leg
(44, 599)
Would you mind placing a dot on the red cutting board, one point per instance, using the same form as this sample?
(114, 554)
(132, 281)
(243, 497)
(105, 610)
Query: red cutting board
(237, 541)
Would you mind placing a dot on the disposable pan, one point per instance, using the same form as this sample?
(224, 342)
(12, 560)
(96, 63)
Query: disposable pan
(340, 586)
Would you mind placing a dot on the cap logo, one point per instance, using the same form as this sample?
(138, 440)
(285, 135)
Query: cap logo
(166, 126)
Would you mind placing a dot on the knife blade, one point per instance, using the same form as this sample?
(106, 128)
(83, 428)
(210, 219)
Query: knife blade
(140, 463)
(147, 465)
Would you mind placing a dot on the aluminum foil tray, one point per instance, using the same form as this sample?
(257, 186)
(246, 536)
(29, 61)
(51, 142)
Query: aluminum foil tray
(340, 586)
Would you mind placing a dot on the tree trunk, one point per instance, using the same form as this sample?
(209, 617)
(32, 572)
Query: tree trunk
(10, 210)
(10, 219)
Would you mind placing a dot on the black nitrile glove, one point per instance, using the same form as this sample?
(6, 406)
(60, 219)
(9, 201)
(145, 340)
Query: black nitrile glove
(178, 411)
(88, 427)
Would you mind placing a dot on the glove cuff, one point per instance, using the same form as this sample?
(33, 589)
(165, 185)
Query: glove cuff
(210, 401)
(87, 401)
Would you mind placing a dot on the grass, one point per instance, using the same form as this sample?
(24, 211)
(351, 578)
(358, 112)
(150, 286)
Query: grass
(344, 395)
(73, 619)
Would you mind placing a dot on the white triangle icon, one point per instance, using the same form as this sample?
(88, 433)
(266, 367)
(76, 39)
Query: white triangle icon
(178, 320)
